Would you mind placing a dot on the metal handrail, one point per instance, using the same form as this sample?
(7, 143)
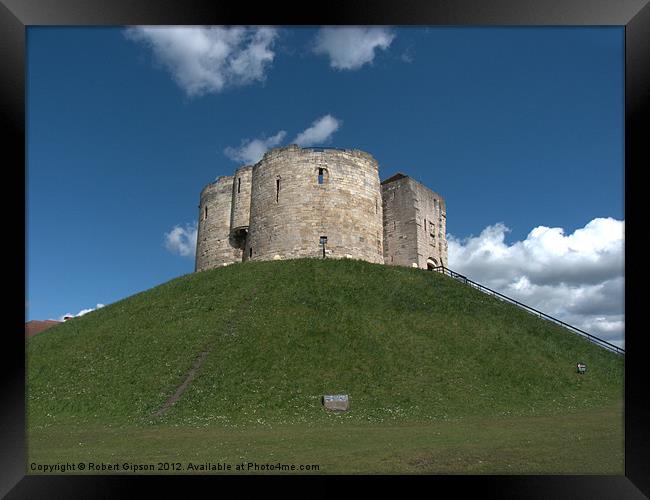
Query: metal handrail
(540, 314)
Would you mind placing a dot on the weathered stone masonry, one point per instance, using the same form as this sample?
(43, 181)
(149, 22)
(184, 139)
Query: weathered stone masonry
(213, 245)
(414, 224)
(285, 205)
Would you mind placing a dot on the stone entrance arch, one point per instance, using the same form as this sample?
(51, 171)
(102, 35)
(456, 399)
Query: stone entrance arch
(431, 263)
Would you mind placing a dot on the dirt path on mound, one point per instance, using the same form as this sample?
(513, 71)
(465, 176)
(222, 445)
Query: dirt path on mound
(198, 363)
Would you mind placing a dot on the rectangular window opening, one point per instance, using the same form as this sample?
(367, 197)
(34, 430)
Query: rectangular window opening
(277, 190)
(250, 252)
(238, 185)
(206, 213)
(320, 175)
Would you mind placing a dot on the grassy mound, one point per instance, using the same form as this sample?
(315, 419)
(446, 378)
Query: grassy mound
(405, 344)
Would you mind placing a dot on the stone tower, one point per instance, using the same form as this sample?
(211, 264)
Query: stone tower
(414, 224)
(302, 195)
(213, 245)
(315, 202)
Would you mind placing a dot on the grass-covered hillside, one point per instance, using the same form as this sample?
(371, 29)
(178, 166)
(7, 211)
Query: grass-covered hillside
(273, 337)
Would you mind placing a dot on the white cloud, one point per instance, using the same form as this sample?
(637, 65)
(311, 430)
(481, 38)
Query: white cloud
(320, 132)
(207, 59)
(578, 278)
(351, 48)
(81, 313)
(182, 240)
(251, 150)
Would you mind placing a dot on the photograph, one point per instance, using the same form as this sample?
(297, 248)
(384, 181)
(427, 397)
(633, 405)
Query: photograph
(325, 250)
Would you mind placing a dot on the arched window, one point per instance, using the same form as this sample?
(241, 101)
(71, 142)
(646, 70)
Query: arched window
(322, 175)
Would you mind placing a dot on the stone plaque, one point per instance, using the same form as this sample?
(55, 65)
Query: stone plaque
(336, 402)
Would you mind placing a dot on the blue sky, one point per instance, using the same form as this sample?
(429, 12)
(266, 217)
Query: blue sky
(518, 128)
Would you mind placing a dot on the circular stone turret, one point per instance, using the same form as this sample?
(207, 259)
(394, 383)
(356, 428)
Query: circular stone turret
(213, 245)
(301, 196)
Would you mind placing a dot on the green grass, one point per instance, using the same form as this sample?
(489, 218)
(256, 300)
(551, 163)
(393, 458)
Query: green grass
(409, 347)
(577, 443)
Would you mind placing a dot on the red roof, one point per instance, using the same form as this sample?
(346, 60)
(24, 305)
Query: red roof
(36, 326)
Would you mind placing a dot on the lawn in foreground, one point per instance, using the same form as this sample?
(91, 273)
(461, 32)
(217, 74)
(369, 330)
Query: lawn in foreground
(585, 442)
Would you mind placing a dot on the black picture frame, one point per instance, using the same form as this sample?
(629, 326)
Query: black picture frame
(17, 15)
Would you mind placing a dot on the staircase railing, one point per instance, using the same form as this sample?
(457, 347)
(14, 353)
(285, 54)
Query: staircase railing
(540, 314)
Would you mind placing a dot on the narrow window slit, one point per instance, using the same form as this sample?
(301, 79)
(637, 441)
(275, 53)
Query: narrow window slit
(277, 190)
(320, 175)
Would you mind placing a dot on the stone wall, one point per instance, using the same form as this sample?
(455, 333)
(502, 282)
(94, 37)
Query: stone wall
(292, 206)
(282, 206)
(241, 206)
(414, 224)
(400, 225)
(431, 218)
(213, 245)
(241, 198)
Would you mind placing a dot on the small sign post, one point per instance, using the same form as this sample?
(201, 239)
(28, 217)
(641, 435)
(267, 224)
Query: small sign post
(336, 402)
(581, 368)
